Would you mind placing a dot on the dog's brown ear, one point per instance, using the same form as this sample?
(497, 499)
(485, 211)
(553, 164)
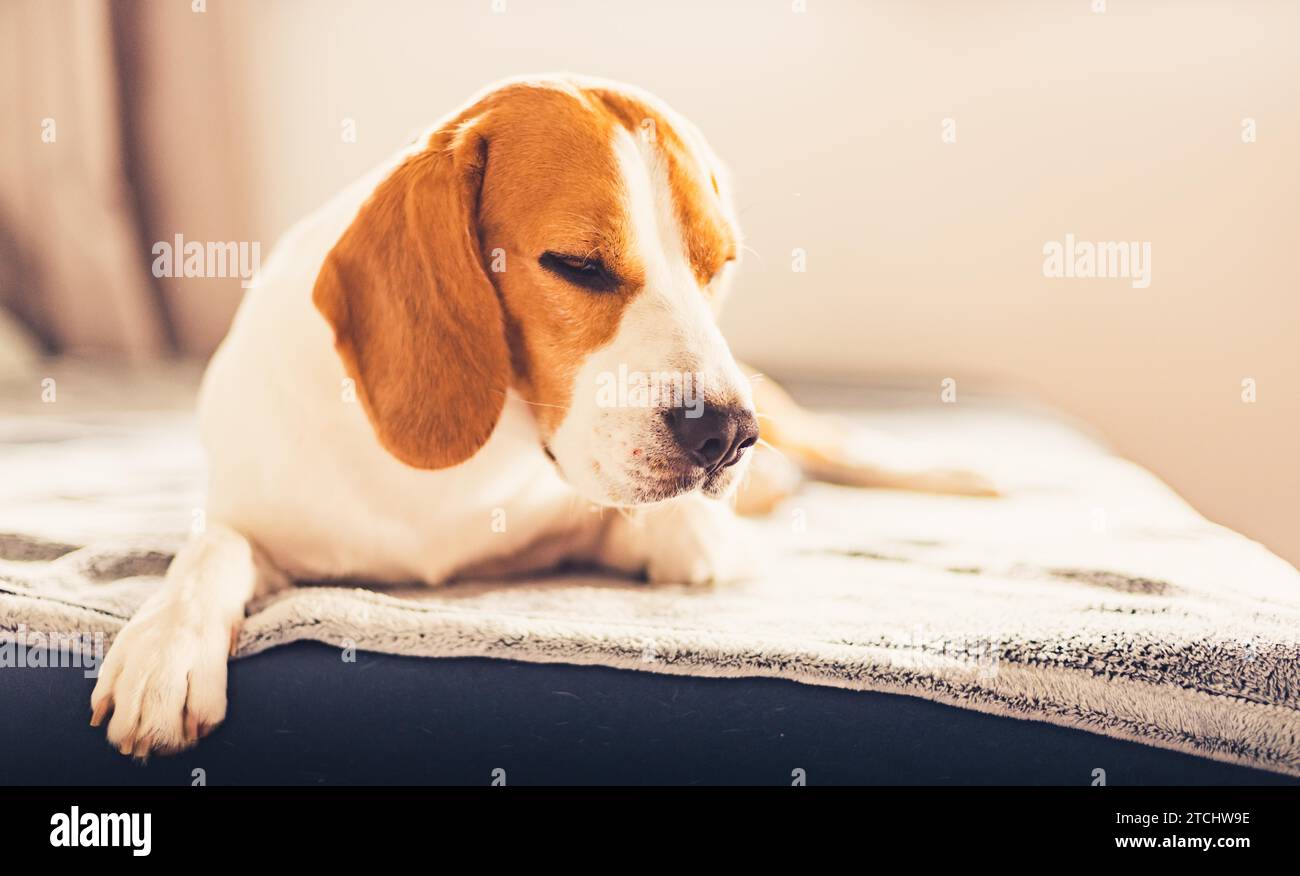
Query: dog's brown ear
(416, 320)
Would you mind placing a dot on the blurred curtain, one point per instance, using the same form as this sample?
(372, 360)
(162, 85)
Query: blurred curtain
(121, 128)
(71, 252)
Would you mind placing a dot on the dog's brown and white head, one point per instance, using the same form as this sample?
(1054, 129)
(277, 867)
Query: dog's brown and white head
(568, 239)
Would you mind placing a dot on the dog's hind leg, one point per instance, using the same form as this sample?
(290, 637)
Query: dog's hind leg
(164, 677)
(795, 442)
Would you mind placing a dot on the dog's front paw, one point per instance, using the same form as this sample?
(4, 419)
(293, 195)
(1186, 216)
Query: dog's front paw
(698, 541)
(164, 679)
(698, 564)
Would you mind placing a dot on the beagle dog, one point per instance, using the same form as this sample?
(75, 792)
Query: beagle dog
(443, 371)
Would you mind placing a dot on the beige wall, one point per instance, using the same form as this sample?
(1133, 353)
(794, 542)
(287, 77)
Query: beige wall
(922, 256)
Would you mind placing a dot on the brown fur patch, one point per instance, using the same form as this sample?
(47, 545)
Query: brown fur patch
(709, 239)
(553, 185)
(416, 321)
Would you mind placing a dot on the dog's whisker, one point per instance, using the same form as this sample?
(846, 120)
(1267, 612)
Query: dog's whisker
(772, 448)
(535, 403)
(542, 404)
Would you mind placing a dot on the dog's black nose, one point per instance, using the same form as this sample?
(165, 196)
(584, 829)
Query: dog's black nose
(711, 436)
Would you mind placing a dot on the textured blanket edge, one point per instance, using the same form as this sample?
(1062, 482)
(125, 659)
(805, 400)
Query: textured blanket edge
(1221, 728)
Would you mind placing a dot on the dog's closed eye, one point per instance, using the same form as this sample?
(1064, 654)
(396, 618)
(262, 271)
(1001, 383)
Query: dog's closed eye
(587, 272)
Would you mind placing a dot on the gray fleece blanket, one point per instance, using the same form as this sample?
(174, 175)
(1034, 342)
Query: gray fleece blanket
(1090, 596)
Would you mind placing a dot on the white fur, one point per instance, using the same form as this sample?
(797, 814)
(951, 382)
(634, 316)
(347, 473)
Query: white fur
(300, 486)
